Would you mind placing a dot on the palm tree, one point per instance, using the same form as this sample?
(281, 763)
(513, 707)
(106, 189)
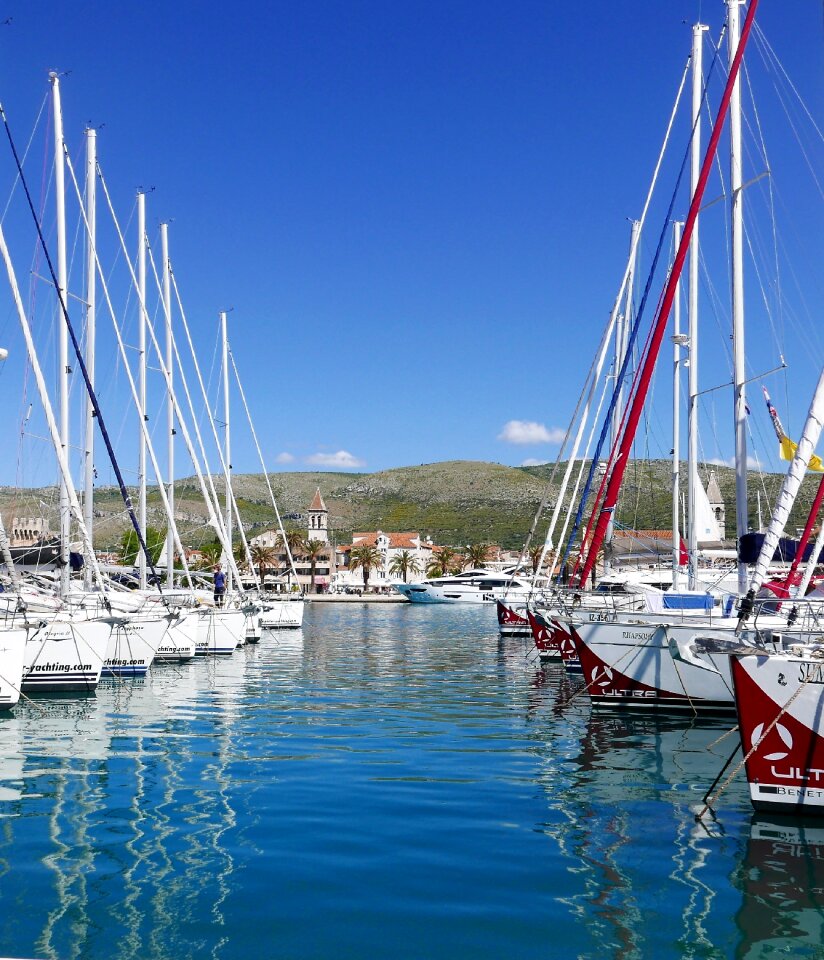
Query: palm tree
(476, 556)
(535, 554)
(210, 555)
(313, 550)
(264, 558)
(404, 563)
(129, 545)
(240, 556)
(295, 542)
(367, 558)
(443, 563)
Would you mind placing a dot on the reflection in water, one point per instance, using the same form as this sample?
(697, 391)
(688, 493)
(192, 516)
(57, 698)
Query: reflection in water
(380, 770)
(782, 879)
(128, 815)
(628, 831)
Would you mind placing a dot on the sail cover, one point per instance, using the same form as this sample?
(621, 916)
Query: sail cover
(706, 525)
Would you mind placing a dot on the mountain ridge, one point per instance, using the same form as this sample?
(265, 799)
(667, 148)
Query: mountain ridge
(455, 501)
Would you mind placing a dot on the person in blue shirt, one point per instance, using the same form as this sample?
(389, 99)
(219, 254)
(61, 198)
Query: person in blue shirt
(220, 586)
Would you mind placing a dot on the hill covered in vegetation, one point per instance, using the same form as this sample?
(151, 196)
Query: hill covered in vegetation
(455, 502)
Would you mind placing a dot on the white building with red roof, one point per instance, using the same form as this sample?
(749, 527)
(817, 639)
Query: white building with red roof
(390, 546)
(317, 518)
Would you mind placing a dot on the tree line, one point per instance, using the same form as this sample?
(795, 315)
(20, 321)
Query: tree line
(445, 561)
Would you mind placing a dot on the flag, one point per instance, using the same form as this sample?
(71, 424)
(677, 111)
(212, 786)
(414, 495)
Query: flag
(786, 446)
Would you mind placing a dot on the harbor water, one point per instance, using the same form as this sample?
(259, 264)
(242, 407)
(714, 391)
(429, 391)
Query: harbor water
(390, 781)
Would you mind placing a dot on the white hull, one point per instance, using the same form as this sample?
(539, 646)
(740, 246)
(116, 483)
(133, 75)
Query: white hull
(474, 586)
(281, 615)
(12, 655)
(179, 640)
(218, 631)
(132, 647)
(65, 656)
(627, 662)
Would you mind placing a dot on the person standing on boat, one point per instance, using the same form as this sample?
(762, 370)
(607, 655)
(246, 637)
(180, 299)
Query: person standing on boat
(220, 586)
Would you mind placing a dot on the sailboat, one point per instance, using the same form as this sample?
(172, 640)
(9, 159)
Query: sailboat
(627, 659)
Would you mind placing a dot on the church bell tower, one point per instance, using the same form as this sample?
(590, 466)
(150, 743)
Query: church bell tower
(318, 519)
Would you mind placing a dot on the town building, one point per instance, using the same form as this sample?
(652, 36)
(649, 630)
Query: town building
(390, 545)
(333, 570)
(717, 505)
(318, 530)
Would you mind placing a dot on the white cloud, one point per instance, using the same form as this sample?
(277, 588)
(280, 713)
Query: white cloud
(527, 431)
(342, 459)
(533, 462)
(284, 458)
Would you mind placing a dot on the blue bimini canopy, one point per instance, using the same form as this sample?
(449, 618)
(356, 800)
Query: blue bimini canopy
(689, 601)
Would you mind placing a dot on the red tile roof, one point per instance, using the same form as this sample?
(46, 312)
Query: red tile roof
(317, 503)
(647, 534)
(409, 540)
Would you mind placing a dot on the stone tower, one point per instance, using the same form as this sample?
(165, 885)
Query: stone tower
(318, 519)
(719, 508)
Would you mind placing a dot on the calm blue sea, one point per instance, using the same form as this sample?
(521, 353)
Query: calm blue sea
(391, 781)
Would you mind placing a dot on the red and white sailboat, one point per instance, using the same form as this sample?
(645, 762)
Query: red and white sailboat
(780, 701)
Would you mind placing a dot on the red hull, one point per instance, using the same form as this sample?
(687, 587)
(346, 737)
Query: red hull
(785, 771)
(510, 622)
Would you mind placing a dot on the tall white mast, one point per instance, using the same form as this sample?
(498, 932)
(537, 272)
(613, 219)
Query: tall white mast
(692, 408)
(63, 335)
(167, 310)
(228, 446)
(5, 546)
(51, 422)
(622, 326)
(91, 333)
(626, 324)
(141, 375)
(739, 373)
(677, 342)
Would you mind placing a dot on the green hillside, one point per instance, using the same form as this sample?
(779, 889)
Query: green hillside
(456, 502)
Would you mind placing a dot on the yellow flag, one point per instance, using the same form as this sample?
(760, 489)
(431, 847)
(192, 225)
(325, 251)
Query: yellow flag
(788, 449)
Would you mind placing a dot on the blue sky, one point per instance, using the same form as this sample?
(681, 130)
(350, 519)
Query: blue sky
(418, 212)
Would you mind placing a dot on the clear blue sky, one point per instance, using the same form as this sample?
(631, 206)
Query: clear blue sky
(417, 211)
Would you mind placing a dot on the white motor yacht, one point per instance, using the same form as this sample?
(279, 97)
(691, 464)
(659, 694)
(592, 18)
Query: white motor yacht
(471, 586)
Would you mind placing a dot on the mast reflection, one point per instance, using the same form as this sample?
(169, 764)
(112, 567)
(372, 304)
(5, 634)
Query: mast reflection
(128, 802)
(782, 881)
(601, 791)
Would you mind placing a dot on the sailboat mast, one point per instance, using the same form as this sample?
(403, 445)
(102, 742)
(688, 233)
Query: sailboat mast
(622, 458)
(692, 307)
(170, 420)
(62, 335)
(739, 373)
(141, 374)
(227, 463)
(623, 322)
(676, 418)
(91, 334)
(623, 326)
(5, 546)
